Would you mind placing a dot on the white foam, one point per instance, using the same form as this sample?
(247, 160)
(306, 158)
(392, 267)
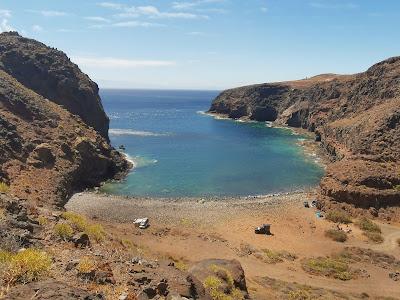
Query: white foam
(117, 132)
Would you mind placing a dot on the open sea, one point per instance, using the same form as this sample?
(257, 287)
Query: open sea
(178, 151)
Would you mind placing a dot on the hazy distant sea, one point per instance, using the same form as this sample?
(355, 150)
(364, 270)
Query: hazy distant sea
(179, 151)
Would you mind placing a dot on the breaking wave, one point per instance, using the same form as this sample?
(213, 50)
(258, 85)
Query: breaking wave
(117, 132)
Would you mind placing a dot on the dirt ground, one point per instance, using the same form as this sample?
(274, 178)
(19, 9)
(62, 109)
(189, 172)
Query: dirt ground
(189, 230)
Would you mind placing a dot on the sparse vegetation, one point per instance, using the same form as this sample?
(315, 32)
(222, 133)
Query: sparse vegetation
(95, 231)
(80, 223)
(375, 237)
(336, 235)
(76, 220)
(2, 213)
(42, 220)
(64, 231)
(4, 188)
(181, 265)
(273, 257)
(86, 265)
(336, 268)
(25, 266)
(217, 289)
(299, 295)
(368, 226)
(338, 216)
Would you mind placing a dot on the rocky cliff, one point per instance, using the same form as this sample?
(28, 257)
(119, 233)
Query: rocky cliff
(53, 128)
(356, 118)
(51, 74)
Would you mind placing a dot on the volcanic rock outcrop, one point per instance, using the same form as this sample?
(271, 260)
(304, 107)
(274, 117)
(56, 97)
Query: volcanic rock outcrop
(53, 129)
(51, 74)
(355, 117)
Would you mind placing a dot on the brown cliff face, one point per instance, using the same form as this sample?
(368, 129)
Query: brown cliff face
(51, 74)
(356, 117)
(46, 151)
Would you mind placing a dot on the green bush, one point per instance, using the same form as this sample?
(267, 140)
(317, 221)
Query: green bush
(64, 231)
(78, 221)
(368, 226)
(25, 266)
(86, 265)
(336, 235)
(4, 188)
(329, 267)
(95, 231)
(338, 216)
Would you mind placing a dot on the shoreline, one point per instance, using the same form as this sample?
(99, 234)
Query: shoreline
(122, 209)
(309, 145)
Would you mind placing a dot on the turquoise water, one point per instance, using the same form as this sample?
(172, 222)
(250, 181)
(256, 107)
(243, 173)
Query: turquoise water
(179, 151)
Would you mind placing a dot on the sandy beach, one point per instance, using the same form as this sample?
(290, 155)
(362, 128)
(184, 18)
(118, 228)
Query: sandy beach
(191, 229)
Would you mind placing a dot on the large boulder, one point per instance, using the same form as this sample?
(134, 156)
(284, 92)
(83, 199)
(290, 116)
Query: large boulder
(221, 277)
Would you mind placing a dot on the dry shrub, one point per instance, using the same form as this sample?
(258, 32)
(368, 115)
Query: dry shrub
(338, 216)
(375, 237)
(4, 188)
(25, 266)
(64, 231)
(80, 223)
(330, 267)
(367, 225)
(86, 265)
(336, 235)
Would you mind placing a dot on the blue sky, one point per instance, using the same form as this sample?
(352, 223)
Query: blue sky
(210, 44)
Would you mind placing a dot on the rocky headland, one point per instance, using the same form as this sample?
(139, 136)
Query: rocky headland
(54, 131)
(355, 118)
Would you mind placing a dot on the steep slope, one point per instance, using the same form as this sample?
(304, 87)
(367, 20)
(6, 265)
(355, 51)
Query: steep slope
(51, 73)
(46, 151)
(356, 118)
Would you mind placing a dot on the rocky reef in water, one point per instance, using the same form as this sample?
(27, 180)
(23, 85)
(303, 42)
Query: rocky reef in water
(356, 119)
(54, 131)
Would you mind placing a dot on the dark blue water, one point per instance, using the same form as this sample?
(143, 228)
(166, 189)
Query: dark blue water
(180, 152)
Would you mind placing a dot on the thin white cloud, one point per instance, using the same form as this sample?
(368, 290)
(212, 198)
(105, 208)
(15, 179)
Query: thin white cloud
(264, 9)
(330, 5)
(183, 5)
(111, 5)
(112, 63)
(197, 33)
(148, 11)
(37, 28)
(49, 13)
(98, 19)
(136, 24)
(5, 13)
(4, 26)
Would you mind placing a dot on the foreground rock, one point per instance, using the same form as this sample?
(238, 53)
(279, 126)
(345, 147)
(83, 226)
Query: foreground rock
(50, 289)
(221, 277)
(356, 118)
(49, 150)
